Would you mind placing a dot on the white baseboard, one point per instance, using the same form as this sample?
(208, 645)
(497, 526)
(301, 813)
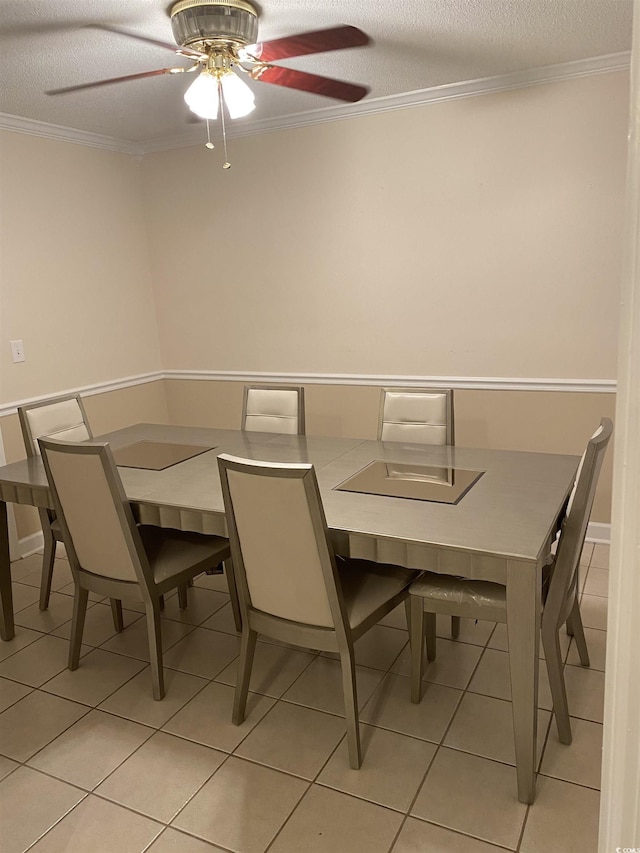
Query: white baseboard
(599, 533)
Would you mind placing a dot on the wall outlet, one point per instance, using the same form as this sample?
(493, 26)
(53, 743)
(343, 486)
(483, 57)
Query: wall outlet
(17, 351)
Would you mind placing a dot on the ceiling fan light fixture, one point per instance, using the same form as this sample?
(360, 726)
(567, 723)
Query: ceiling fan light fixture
(238, 97)
(202, 96)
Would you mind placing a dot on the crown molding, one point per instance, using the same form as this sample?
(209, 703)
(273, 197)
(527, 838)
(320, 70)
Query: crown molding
(32, 127)
(371, 106)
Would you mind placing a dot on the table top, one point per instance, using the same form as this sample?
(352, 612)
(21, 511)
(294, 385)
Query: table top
(510, 512)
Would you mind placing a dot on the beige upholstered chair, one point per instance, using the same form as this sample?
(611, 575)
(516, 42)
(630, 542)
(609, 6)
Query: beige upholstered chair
(273, 408)
(111, 555)
(435, 593)
(421, 416)
(290, 584)
(66, 419)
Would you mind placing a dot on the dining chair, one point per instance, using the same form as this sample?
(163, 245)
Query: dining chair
(434, 593)
(109, 553)
(273, 408)
(420, 416)
(63, 418)
(291, 586)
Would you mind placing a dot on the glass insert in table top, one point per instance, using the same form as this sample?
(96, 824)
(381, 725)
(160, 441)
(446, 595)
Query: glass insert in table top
(155, 455)
(417, 482)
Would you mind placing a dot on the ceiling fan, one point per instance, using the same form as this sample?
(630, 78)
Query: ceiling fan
(219, 37)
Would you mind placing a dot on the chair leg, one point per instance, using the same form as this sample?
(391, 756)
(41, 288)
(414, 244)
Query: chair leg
(417, 646)
(245, 665)
(578, 633)
(348, 666)
(48, 561)
(455, 627)
(154, 633)
(80, 598)
(182, 596)
(430, 634)
(233, 592)
(553, 659)
(116, 613)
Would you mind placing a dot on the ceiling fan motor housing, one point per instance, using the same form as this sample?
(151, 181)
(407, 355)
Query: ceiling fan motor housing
(198, 22)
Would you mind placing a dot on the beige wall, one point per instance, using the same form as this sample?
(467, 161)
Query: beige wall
(475, 237)
(75, 283)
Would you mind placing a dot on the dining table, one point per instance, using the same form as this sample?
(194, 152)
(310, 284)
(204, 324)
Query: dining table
(499, 528)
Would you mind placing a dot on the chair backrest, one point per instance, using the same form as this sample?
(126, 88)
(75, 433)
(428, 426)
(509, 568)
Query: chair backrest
(424, 416)
(63, 418)
(574, 526)
(98, 527)
(273, 408)
(283, 561)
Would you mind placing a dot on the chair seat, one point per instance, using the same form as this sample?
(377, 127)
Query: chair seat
(367, 586)
(459, 591)
(171, 552)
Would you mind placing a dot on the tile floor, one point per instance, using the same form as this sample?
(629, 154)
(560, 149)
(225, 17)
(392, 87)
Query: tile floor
(89, 763)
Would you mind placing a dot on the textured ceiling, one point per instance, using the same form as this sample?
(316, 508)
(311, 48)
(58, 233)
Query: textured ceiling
(417, 45)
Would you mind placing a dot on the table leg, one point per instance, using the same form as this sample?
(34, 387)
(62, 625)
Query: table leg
(524, 583)
(7, 629)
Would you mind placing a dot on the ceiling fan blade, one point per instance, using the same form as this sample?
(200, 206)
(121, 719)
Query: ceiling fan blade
(292, 79)
(113, 80)
(167, 45)
(319, 41)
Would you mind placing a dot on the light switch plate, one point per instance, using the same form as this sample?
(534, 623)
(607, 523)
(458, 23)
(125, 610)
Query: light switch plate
(17, 351)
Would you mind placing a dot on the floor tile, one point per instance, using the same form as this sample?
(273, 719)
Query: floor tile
(242, 806)
(134, 700)
(390, 707)
(23, 596)
(134, 640)
(397, 618)
(417, 836)
(60, 610)
(453, 666)
(600, 557)
(62, 575)
(596, 646)
(87, 752)
(597, 582)
(26, 566)
(581, 760)
(378, 648)
(201, 604)
(392, 770)
(320, 686)
(7, 765)
(500, 641)
(30, 803)
(594, 610)
(202, 652)
(98, 625)
(217, 582)
(484, 726)
(100, 827)
(34, 721)
(206, 718)
(587, 553)
(563, 817)
(275, 668)
(38, 662)
(100, 673)
(222, 620)
(295, 739)
(140, 783)
(172, 841)
(11, 692)
(327, 821)
(585, 692)
(474, 631)
(492, 678)
(472, 795)
(23, 637)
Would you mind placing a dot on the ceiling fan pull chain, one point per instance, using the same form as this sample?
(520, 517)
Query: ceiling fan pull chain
(209, 144)
(226, 164)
